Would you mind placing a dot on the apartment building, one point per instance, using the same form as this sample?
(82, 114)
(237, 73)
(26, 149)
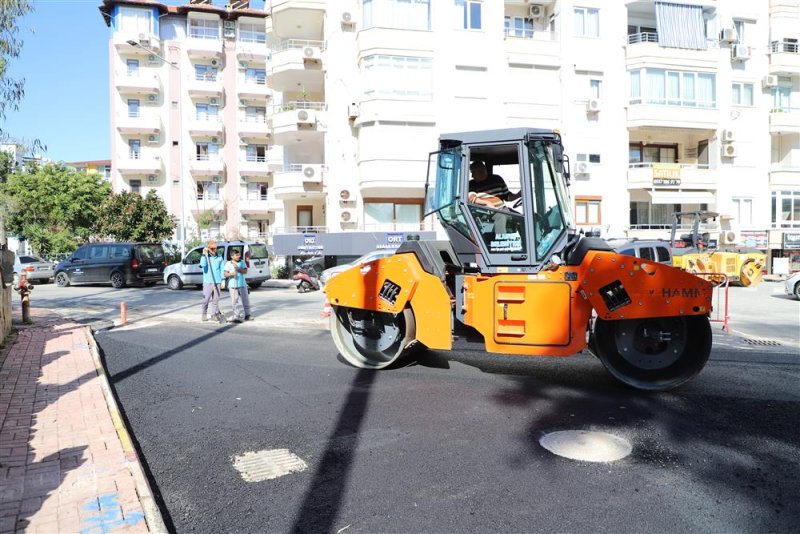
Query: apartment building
(100, 166)
(663, 107)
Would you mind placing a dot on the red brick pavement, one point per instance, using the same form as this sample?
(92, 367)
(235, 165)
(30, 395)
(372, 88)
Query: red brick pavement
(62, 465)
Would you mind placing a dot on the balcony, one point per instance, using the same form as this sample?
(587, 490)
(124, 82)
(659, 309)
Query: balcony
(672, 175)
(253, 89)
(138, 123)
(254, 127)
(784, 176)
(528, 47)
(143, 83)
(205, 85)
(689, 115)
(297, 62)
(139, 163)
(210, 125)
(784, 57)
(254, 166)
(297, 122)
(253, 52)
(255, 206)
(140, 44)
(200, 48)
(388, 177)
(206, 165)
(643, 49)
(299, 180)
(784, 121)
(287, 14)
(209, 201)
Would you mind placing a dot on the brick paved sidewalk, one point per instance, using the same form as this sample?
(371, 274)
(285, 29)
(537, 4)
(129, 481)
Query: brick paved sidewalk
(63, 467)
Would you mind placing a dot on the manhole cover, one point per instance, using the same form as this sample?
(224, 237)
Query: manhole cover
(266, 465)
(762, 342)
(586, 446)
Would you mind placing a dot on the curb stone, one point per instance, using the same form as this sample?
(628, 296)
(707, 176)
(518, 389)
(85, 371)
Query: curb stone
(152, 515)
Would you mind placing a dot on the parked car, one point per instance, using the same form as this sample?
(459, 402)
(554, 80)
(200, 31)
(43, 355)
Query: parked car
(188, 271)
(119, 264)
(36, 269)
(646, 249)
(327, 274)
(793, 285)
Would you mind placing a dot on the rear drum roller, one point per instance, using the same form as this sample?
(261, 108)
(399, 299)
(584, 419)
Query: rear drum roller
(370, 339)
(656, 353)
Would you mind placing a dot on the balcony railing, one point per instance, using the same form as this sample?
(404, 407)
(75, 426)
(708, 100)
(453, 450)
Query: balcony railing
(256, 159)
(643, 37)
(294, 44)
(297, 104)
(649, 164)
(784, 109)
(254, 198)
(784, 47)
(527, 33)
(206, 157)
(208, 196)
(205, 77)
(705, 104)
(298, 230)
(254, 119)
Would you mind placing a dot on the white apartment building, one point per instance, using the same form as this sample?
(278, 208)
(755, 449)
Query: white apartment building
(309, 123)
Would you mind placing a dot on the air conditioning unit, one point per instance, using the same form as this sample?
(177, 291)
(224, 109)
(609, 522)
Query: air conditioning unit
(346, 216)
(214, 139)
(152, 139)
(144, 40)
(344, 194)
(352, 110)
(230, 24)
(728, 35)
(305, 116)
(729, 150)
(213, 101)
(214, 62)
(728, 237)
(216, 179)
(151, 179)
(152, 100)
(769, 81)
(536, 11)
(152, 59)
(728, 136)
(593, 105)
(740, 52)
(309, 52)
(582, 167)
(243, 64)
(312, 173)
(348, 18)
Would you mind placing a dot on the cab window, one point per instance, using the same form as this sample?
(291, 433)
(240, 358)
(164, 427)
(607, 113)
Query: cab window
(646, 253)
(663, 254)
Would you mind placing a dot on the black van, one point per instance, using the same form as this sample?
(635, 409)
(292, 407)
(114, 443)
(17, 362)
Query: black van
(119, 264)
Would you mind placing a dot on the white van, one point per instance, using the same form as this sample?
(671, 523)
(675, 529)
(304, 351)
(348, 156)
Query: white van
(188, 271)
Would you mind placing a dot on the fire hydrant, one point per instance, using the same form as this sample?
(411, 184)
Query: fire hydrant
(24, 287)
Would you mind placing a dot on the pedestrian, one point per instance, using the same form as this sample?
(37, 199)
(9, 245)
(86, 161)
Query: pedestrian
(234, 272)
(211, 264)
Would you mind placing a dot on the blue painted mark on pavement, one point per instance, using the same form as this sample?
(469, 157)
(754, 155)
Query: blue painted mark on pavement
(107, 516)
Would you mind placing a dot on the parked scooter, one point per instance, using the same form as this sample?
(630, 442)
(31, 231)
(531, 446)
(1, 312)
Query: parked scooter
(305, 278)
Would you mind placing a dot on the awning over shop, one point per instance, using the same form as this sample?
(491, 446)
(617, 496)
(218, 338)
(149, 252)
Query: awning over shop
(681, 197)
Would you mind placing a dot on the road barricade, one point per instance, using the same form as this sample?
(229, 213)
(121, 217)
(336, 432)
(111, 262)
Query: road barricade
(719, 300)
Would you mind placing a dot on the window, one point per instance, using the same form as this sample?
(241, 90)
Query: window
(134, 148)
(133, 108)
(133, 67)
(781, 95)
(255, 114)
(741, 31)
(400, 14)
(256, 76)
(646, 253)
(587, 210)
(401, 77)
(136, 187)
(388, 214)
(120, 251)
(206, 151)
(207, 73)
(587, 22)
(207, 191)
(134, 20)
(256, 153)
(252, 32)
(206, 112)
(742, 94)
(662, 254)
(98, 252)
(594, 88)
(591, 158)
(468, 14)
(644, 215)
(743, 210)
(786, 209)
(521, 27)
(204, 29)
(257, 191)
(672, 88)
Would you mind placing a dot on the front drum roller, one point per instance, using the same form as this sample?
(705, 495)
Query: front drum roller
(655, 353)
(370, 339)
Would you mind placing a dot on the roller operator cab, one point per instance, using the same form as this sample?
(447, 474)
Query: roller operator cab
(515, 276)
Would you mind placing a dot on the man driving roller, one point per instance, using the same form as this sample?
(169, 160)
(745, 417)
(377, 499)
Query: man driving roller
(488, 189)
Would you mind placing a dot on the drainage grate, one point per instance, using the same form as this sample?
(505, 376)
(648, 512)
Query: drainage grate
(762, 342)
(266, 465)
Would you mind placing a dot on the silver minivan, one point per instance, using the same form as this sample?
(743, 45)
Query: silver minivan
(188, 271)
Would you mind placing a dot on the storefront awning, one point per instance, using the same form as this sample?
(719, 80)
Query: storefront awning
(681, 197)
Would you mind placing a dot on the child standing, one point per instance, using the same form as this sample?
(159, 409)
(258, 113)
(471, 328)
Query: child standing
(234, 271)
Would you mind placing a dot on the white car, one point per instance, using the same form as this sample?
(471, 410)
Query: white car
(793, 285)
(327, 274)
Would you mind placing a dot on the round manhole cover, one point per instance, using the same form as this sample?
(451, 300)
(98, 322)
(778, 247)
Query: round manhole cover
(586, 446)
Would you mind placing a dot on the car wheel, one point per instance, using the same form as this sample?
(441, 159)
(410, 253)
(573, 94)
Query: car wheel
(174, 282)
(117, 280)
(62, 280)
(797, 291)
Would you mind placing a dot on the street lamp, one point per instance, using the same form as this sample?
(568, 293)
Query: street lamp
(182, 225)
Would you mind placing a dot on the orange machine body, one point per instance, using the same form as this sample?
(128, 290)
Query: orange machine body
(543, 314)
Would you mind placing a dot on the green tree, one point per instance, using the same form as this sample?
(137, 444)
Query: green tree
(54, 207)
(11, 90)
(129, 217)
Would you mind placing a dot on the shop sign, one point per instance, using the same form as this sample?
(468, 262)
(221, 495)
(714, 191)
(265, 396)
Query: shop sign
(310, 245)
(755, 239)
(666, 174)
(791, 240)
(393, 240)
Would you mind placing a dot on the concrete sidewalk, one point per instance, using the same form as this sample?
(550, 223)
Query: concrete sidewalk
(67, 463)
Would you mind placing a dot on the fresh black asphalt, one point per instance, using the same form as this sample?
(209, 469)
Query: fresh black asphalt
(451, 444)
